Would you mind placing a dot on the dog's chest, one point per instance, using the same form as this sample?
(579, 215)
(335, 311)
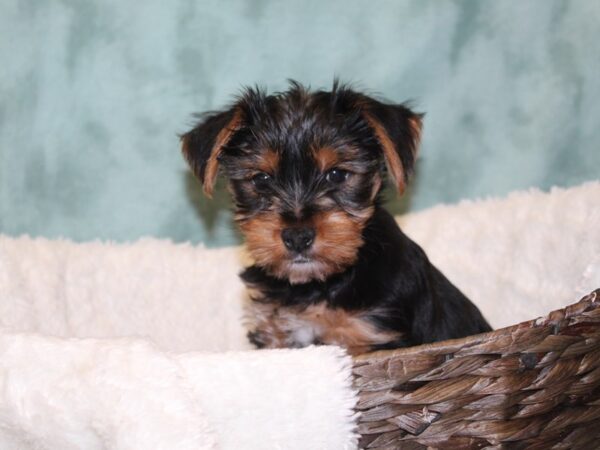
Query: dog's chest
(274, 326)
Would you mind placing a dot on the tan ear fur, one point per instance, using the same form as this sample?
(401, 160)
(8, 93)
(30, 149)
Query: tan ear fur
(390, 152)
(209, 173)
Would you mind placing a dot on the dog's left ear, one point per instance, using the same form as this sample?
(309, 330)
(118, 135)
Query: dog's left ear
(202, 145)
(398, 131)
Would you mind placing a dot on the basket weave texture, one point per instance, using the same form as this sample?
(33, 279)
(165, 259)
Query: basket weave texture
(535, 385)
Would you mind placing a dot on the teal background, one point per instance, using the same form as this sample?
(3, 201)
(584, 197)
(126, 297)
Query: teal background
(93, 95)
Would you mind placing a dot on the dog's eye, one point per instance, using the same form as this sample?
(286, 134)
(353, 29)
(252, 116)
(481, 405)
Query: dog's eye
(336, 176)
(261, 180)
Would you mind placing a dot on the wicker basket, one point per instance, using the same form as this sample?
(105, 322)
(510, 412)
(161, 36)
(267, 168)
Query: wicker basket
(535, 385)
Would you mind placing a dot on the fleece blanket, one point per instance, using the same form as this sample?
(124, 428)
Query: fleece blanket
(142, 345)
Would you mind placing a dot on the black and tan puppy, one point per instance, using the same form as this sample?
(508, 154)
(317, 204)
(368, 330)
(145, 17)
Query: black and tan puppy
(306, 170)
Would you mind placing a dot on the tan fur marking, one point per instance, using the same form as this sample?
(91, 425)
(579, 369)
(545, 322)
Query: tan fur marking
(347, 329)
(326, 158)
(338, 238)
(212, 166)
(416, 127)
(389, 152)
(268, 162)
(263, 239)
(280, 327)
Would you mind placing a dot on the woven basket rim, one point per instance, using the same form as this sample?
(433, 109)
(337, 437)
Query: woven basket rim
(450, 345)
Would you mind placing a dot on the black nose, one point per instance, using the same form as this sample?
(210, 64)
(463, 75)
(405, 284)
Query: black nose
(298, 239)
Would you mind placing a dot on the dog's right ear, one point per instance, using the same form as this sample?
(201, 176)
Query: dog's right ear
(202, 145)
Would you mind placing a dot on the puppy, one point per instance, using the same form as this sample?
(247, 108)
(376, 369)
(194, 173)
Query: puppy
(306, 170)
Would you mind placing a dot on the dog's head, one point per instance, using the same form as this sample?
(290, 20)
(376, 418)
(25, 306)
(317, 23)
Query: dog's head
(305, 170)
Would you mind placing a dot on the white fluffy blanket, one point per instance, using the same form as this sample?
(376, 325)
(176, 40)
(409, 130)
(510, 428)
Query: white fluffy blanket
(138, 346)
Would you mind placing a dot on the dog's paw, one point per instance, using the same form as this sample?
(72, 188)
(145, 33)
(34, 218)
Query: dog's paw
(257, 339)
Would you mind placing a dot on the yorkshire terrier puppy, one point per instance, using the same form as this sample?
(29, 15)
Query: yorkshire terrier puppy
(306, 170)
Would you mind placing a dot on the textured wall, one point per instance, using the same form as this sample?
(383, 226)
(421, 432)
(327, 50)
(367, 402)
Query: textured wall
(93, 95)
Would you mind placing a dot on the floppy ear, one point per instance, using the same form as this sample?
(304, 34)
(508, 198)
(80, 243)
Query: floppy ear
(202, 145)
(398, 132)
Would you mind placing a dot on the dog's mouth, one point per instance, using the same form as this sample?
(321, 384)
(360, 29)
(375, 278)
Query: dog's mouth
(301, 259)
(302, 269)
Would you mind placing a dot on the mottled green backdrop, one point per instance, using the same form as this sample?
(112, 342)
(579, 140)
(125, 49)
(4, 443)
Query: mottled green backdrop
(94, 93)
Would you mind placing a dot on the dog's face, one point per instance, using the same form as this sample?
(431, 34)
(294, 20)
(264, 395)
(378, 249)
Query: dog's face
(305, 170)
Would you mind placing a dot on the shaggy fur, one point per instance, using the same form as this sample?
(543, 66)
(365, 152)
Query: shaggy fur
(330, 265)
